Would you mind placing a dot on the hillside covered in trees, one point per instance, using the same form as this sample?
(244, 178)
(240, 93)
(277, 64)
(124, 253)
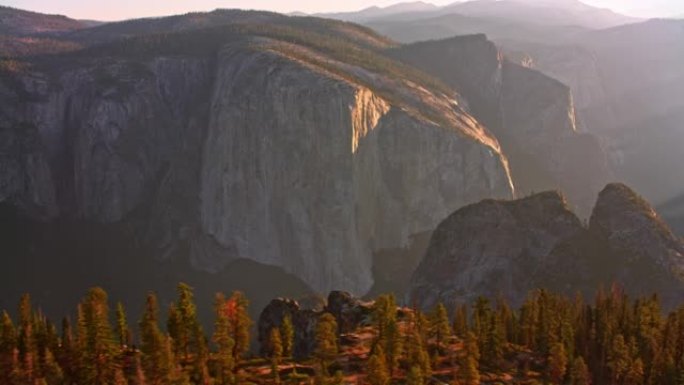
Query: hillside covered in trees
(551, 339)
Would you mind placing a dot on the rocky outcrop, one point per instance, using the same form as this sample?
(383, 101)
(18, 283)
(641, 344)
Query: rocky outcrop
(491, 248)
(509, 248)
(532, 115)
(651, 256)
(258, 149)
(349, 312)
(304, 322)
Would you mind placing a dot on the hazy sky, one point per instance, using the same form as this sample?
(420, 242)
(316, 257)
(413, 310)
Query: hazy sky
(122, 9)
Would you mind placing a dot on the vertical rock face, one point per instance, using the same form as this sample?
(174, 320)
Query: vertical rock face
(532, 115)
(263, 150)
(509, 248)
(311, 172)
(106, 131)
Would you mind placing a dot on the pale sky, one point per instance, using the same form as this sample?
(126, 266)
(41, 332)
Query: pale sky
(125, 9)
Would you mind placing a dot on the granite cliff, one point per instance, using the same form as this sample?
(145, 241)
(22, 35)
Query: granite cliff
(243, 142)
(532, 114)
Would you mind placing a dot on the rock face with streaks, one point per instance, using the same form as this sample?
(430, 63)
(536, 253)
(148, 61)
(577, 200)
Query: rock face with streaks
(253, 149)
(532, 114)
(512, 247)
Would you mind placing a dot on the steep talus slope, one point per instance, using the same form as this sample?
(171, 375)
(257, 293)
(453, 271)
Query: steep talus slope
(282, 144)
(532, 115)
(509, 248)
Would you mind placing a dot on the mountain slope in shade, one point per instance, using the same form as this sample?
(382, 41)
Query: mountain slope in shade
(18, 22)
(509, 248)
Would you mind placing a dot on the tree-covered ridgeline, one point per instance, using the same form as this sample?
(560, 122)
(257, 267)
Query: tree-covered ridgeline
(550, 339)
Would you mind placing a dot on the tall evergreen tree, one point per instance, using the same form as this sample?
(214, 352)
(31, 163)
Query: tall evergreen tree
(276, 345)
(618, 359)
(579, 374)
(122, 330)
(288, 334)
(155, 362)
(240, 323)
(26, 341)
(557, 364)
(377, 373)
(225, 361)
(186, 321)
(326, 342)
(9, 362)
(96, 346)
(440, 330)
(200, 369)
(393, 345)
(415, 377)
(461, 321)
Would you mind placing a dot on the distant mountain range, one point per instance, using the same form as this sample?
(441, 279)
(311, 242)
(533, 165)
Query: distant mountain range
(568, 13)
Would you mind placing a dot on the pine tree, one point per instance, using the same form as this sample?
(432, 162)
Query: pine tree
(276, 346)
(417, 354)
(326, 341)
(96, 346)
(393, 345)
(122, 330)
(471, 374)
(9, 365)
(186, 321)
(26, 341)
(579, 374)
(635, 373)
(377, 373)
(618, 359)
(496, 338)
(384, 312)
(173, 327)
(472, 347)
(461, 321)
(557, 362)
(223, 340)
(439, 325)
(238, 315)
(414, 377)
(66, 354)
(154, 360)
(288, 334)
(470, 366)
(200, 369)
(53, 373)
